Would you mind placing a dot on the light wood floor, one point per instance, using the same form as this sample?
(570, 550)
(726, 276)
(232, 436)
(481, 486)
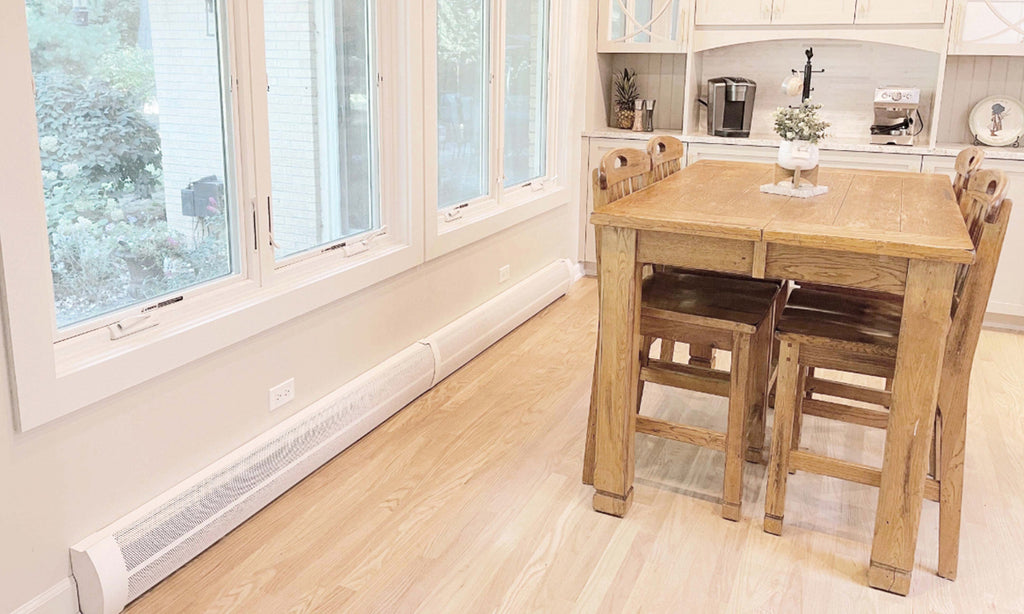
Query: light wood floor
(470, 500)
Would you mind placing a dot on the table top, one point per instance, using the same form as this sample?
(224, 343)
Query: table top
(909, 215)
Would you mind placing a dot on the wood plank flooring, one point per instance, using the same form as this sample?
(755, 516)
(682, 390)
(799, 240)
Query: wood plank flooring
(470, 500)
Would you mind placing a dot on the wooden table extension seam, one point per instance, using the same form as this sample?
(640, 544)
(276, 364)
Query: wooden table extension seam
(900, 233)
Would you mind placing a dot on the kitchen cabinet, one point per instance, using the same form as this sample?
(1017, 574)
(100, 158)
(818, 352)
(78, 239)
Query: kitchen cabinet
(642, 26)
(598, 148)
(900, 11)
(800, 12)
(733, 12)
(818, 12)
(987, 27)
(1008, 288)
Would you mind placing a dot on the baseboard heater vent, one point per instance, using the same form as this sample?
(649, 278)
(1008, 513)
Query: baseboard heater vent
(117, 564)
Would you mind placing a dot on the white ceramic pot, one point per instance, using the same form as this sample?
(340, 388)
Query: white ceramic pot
(798, 154)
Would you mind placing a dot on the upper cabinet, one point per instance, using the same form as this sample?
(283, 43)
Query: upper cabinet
(900, 11)
(733, 12)
(818, 12)
(642, 26)
(987, 27)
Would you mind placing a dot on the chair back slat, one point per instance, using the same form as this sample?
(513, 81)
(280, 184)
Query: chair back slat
(666, 153)
(622, 172)
(990, 215)
(982, 200)
(967, 163)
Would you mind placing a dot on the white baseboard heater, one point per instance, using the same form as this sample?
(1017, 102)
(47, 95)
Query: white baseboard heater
(117, 564)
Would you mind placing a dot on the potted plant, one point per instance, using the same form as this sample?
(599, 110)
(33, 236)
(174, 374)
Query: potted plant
(626, 93)
(800, 128)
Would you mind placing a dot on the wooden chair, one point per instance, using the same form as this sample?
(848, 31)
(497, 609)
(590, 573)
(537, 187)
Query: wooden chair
(688, 307)
(666, 159)
(859, 335)
(967, 163)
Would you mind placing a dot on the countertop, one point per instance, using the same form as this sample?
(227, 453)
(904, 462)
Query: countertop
(941, 149)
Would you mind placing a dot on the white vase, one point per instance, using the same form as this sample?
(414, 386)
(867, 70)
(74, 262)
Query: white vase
(798, 154)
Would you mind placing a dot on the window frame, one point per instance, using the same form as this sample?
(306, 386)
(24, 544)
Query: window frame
(453, 227)
(52, 374)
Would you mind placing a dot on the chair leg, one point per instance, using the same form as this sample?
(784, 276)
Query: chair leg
(760, 369)
(591, 441)
(668, 350)
(702, 355)
(735, 436)
(786, 392)
(798, 411)
(645, 358)
(951, 484)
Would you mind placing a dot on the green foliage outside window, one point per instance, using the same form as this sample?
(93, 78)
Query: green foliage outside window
(110, 243)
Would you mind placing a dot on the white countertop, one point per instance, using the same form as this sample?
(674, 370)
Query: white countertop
(941, 149)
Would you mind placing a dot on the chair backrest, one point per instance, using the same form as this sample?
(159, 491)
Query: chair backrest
(620, 173)
(666, 153)
(967, 163)
(988, 216)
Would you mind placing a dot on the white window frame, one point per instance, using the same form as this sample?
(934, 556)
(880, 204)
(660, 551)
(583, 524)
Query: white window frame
(52, 376)
(456, 226)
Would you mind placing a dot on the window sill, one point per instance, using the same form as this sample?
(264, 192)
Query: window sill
(91, 367)
(484, 220)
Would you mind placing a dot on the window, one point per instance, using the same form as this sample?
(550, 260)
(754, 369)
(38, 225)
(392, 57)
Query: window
(468, 123)
(131, 128)
(322, 112)
(187, 174)
(463, 99)
(526, 91)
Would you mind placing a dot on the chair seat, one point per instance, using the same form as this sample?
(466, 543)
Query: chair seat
(742, 302)
(823, 316)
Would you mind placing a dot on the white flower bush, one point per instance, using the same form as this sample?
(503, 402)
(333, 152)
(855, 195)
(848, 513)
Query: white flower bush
(801, 123)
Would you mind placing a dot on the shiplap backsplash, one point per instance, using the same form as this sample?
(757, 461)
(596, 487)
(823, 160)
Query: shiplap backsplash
(969, 79)
(659, 76)
(846, 89)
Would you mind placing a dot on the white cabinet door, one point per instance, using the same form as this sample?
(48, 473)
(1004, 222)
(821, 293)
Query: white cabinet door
(733, 12)
(901, 11)
(1008, 289)
(642, 26)
(798, 12)
(988, 27)
(598, 148)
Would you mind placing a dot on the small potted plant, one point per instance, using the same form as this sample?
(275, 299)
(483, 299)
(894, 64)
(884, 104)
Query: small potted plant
(800, 128)
(626, 94)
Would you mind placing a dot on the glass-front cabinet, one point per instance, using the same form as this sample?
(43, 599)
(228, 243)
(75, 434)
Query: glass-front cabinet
(642, 26)
(988, 27)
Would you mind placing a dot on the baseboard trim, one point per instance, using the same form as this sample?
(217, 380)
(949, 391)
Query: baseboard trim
(61, 598)
(282, 456)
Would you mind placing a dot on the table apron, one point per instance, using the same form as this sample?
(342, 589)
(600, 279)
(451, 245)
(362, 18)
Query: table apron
(774, 261)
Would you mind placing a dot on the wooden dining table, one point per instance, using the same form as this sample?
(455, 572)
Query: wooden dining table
(899, 233)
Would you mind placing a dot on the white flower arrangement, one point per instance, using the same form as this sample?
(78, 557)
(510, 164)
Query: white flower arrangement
(801, 123)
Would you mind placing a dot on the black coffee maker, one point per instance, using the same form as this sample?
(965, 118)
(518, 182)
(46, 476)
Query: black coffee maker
(730, 106)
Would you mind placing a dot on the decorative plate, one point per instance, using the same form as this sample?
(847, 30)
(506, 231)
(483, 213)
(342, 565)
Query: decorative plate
(997, 121)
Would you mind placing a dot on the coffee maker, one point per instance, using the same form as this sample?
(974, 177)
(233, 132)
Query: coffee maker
(897, 116)
(730, 106)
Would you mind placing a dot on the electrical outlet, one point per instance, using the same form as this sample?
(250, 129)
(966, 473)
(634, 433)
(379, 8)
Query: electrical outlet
(504, 273)
(282, 393)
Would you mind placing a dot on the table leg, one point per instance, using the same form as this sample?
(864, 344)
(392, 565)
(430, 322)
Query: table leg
(619, 370)
(926, 306)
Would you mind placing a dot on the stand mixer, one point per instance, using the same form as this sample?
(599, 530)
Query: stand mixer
(897, 116)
